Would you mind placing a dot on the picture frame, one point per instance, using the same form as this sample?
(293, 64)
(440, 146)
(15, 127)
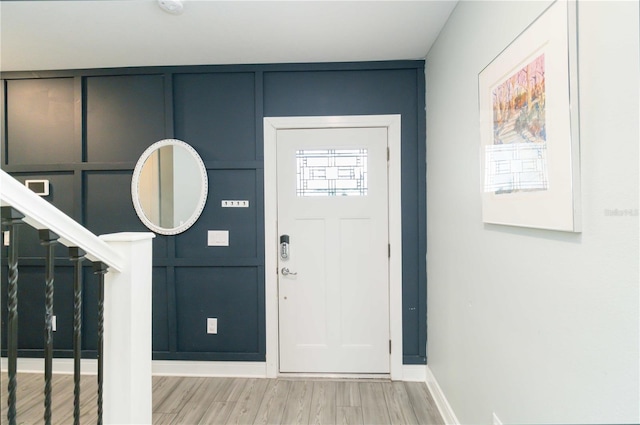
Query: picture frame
(529, 126)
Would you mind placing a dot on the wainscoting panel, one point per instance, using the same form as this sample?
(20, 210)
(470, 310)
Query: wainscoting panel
(40, 121)
(124, 115)
(214, 113)
(84, 130)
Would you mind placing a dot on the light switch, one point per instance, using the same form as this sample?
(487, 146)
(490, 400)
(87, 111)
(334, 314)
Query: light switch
(212, 325)
(234, 204)
(218, 238)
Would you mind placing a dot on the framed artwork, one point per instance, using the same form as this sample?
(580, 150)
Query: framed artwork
(529, 126)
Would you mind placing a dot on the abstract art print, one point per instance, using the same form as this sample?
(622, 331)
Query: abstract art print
(519, 132)
(529, 127)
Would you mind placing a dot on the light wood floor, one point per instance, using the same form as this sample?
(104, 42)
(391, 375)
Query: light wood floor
(180, 400)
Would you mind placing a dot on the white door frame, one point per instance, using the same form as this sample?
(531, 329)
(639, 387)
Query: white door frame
(271, 127)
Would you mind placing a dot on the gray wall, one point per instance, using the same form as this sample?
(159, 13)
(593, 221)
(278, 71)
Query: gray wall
(536, 326)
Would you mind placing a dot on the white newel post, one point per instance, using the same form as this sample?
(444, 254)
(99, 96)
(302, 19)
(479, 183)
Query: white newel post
(127, 331)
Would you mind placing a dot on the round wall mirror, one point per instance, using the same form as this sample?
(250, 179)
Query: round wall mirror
(169, 187)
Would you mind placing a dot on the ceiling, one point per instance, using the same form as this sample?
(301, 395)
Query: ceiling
(47, 35)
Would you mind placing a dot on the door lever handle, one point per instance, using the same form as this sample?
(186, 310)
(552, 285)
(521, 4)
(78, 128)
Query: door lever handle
(285, 272)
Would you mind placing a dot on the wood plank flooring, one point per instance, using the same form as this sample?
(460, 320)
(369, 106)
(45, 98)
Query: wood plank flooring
(195, 400)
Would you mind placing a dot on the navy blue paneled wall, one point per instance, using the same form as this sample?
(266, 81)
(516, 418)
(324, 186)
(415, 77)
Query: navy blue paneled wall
(84, 131)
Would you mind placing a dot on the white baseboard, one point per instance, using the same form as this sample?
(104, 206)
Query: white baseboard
(443, 405)
(204, 368)
(159, 367)
(414, 372)
(61, 366)
(410, 373)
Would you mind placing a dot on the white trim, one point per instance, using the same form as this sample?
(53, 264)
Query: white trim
(204, 368)
(60, 366)
(159, 367)
(447, 413)
(271, 127)
(339, 376)
(410, 373)
(414, 373)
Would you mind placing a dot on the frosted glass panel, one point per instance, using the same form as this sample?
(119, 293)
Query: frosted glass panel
(331, 172)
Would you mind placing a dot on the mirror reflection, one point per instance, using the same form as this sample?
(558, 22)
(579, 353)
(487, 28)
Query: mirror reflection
(169, 187)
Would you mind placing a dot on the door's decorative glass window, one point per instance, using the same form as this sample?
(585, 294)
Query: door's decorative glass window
(331, 172)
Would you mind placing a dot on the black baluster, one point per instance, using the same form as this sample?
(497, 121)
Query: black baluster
(12, 219)
(48, 239)
(100, 269)
(76, 255)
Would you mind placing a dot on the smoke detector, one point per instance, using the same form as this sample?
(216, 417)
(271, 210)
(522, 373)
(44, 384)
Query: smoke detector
(175, 7)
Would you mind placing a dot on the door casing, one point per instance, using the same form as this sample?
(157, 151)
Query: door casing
(271, 127)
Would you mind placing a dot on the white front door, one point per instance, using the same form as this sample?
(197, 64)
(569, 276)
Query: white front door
(333, 281)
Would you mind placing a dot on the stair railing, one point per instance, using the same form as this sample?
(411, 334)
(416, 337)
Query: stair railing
(122, 262)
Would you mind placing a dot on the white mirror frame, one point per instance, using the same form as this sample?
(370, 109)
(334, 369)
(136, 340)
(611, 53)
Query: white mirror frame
(135, 181)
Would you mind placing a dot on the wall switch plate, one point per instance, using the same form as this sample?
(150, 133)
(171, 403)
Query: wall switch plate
(496, 421)
(53, 323)
(6, 238)
(212, 325)
(234, 204)
(218, 238)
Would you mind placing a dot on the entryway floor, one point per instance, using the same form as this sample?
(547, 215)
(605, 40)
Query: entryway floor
(196, 400)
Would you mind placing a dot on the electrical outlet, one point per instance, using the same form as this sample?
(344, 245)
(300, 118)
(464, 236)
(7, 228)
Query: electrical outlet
(212, 325)
(53, 323)
(496, 421)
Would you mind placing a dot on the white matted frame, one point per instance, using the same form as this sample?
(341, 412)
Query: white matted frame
(529, 126)
(271, 127)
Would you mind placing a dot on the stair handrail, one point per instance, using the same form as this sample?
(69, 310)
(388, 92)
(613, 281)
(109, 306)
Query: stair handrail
(41, 214)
